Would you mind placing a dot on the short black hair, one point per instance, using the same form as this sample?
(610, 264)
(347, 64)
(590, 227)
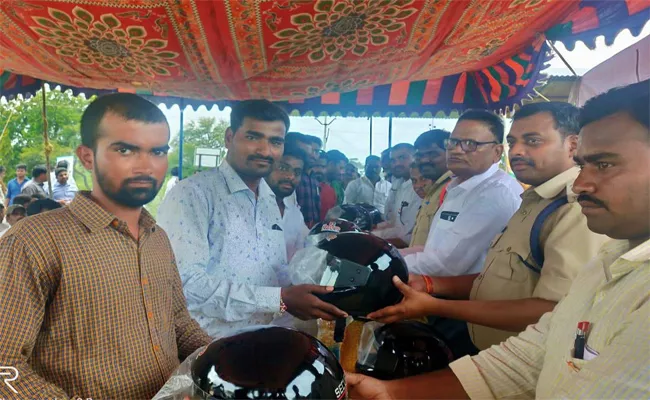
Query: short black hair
(260, 110)
(313, 140)
(334, 156)
(39, 170)
(493, 121)
(40, 206)
(633, 100)
(294, 151)
(62, 164)
(21, 166)
(59, 170)
(126, 105)
(371, 158)
(174, 171)
(22, 199)
(38, 196)
(565, 115)
(433, 137)
(404, 146)
(292, 138)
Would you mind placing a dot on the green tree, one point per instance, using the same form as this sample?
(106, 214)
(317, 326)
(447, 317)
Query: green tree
(206, 132)
(23, 141)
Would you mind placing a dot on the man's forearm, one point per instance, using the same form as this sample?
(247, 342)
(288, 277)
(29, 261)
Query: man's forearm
(507, 315)
(435, 385)
(453, 287)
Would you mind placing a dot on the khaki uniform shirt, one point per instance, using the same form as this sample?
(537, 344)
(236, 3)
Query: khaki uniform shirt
(428, 209)
(610, 292)
(565, 239)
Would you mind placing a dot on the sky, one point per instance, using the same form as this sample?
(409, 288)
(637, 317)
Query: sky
(351, 135)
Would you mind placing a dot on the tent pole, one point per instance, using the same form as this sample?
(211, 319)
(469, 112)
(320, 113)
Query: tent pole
(181, 139)
(561, 57)
(390, 131)
(370, 135)
(46, 142)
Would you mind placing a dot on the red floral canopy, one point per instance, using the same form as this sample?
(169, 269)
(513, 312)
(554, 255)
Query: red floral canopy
(292, 50)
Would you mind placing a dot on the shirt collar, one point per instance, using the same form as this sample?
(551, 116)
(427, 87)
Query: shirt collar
(558, 184)
(236, 184)
(474, 181)
(95, 218)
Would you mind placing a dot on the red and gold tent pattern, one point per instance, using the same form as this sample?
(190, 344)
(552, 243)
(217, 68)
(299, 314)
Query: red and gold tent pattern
(292, 50)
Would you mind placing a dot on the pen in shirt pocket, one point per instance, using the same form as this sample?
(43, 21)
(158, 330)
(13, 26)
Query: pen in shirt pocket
(580, 340)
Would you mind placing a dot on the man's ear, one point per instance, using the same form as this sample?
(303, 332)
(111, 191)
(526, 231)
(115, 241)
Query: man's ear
(87, 157)
(572, 142)
(498, 152)
(229, 137)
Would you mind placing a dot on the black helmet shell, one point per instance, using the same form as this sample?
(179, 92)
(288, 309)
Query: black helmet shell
(268, 362)
(360, 267)
(407, 348)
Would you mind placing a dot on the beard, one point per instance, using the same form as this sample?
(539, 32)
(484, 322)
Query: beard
(131, 197)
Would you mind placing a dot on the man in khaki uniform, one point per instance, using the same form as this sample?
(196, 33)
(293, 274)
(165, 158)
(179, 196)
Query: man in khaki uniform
(430, 156)
(522, 278)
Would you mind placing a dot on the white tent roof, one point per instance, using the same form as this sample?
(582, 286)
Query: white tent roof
(624, 68)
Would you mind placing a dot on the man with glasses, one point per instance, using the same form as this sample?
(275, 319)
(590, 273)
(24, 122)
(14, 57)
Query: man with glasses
(283, 180)
(478, 202)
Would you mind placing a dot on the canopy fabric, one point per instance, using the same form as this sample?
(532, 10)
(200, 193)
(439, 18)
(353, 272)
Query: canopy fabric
(408, 57)
(630, 65)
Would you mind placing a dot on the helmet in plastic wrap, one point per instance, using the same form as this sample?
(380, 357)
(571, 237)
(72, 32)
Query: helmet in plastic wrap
(362, 215)
(401, 349)
(359, 266)
(267, 362)
(327, 228)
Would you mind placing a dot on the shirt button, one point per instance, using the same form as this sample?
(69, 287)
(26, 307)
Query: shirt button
(156, 348)
(145, 281)
(509, 248)
(525, 212)
(150, 315)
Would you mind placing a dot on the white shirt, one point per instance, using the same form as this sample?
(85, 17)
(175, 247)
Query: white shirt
(363, 191)
(170, 184)
(294, 227)
(401, 211)
(228, 246)
(472, 214)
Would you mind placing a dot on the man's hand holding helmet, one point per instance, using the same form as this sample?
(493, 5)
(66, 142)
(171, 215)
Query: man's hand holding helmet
(415, 304)
(302, 303)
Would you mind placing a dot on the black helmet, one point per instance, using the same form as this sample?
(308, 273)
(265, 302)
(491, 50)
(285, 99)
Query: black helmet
(362, 215)
(330, 227)
(404, 349)
(375, 214)
(267, 362)
(360, 267)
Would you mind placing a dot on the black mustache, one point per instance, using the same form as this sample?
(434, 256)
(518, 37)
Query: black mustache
(257, 158)
(524, 160)
(141, 179)
(586, 197)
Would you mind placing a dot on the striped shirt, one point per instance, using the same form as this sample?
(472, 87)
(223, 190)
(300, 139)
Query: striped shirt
(612, 294)
(86, 310)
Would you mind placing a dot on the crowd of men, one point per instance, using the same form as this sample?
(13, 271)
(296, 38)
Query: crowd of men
(99, 300)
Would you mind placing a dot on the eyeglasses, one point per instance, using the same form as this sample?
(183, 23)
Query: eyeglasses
(287, 170)
(467, 145)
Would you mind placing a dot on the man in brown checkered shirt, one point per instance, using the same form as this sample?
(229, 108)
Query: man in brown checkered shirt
(91, 303)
